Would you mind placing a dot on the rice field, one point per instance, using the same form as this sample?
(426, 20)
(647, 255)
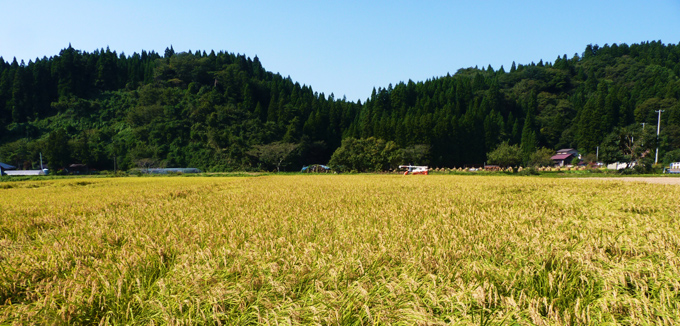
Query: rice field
(339, 250)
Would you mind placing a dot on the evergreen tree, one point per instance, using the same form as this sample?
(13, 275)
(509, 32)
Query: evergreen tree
(20, 103)
(169, 52)
(529, 140)
(5, 95)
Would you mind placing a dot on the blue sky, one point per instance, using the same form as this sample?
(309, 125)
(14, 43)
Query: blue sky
(345, 48)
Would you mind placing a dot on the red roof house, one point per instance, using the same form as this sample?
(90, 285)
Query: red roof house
(564, 156)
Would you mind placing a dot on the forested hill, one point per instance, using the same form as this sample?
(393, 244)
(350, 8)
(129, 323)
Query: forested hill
(214, 110)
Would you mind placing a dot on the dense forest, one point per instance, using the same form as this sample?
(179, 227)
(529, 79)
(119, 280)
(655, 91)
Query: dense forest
(224, 111)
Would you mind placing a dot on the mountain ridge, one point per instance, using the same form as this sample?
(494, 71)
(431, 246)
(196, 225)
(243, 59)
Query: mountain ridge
(209, 110)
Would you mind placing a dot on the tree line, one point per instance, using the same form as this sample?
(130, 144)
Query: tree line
(223, 111)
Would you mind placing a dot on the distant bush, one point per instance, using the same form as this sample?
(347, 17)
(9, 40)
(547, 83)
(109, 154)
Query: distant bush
(672, 156)
(541, 157)
(529, 171)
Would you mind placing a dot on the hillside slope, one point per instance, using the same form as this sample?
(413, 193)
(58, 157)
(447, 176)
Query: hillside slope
(209, 110)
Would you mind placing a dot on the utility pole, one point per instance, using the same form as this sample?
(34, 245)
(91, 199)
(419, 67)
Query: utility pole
(658, 128)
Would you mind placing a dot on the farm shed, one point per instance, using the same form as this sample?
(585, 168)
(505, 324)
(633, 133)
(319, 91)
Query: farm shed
(25, 172)
(78, 169)
(4, 167)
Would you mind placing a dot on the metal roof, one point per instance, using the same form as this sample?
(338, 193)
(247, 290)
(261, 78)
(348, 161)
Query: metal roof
(7, 166)
(561, 156)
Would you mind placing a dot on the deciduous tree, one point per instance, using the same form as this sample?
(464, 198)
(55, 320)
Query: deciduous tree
(275, 153)
(505, 155)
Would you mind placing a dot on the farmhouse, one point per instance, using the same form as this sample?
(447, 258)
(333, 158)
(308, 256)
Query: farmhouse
(564, 156)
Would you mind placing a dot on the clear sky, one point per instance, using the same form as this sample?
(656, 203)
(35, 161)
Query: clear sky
(347, 47)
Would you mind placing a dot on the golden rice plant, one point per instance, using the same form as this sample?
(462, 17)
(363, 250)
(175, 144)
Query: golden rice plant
(336, 249)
